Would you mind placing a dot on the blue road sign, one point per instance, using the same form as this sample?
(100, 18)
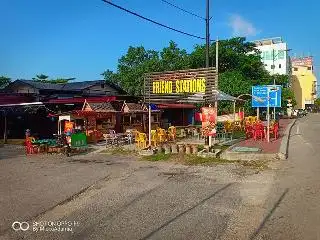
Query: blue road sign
(261, 93)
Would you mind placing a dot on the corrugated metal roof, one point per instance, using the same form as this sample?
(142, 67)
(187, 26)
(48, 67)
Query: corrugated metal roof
(41, 85)
(102, 107)
(73, 86)
(81, 85)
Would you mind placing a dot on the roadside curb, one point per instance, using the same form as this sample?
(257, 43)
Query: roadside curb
(283, 151)
(246, 156)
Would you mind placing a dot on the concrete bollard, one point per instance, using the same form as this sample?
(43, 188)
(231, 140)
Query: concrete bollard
(207, 148)
(195, 149)
(181, 148)
(188, 149)
(174, 148)
(159, 149)
(167, 149)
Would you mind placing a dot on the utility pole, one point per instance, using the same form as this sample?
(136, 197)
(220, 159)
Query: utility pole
(217, 79)
(207, 34)
(207, 139)
(274, 80)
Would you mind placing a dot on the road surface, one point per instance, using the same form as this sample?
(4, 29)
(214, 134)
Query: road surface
(129, 199)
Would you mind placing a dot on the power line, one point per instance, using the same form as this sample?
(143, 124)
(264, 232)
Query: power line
(183, 10)
(150, 20)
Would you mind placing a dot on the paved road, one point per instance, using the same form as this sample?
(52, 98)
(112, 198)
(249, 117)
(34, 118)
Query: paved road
(30, 185)
(130, 199)
(297, 212)
(142, 200)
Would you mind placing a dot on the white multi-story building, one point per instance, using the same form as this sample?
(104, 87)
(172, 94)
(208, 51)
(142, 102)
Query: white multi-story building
(274, 55)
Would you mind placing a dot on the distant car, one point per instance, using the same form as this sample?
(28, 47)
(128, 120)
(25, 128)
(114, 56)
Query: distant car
(302, 113)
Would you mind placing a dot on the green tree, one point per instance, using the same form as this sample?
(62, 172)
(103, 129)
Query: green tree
(240, 67)
(4, 81)
(173, 58)
(287, 93)
(41, 78)
(317, 102)
(45, 79)
(132, 68)
(60, 80)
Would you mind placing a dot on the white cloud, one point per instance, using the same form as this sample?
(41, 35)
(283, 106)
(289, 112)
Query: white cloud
(242, 27)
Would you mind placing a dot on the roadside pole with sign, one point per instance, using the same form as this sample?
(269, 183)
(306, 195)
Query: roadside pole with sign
(272, 98)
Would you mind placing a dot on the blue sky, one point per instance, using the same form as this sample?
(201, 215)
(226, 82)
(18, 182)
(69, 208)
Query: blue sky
(82, 38)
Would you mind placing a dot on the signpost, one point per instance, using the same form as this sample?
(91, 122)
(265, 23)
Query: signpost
(262, 92)
(271, 94)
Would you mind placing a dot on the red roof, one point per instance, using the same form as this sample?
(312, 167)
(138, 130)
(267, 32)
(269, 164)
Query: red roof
(175, 105)
(81, 100)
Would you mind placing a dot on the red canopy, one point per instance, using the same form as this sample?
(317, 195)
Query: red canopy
(175, 105)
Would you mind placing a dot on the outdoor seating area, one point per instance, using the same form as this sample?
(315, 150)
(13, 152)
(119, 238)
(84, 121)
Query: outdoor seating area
(256, 129)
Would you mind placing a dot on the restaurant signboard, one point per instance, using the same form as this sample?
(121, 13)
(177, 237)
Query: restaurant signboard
(175, 85)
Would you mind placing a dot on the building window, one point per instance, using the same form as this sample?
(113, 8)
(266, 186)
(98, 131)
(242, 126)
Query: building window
(272, 67)
(309, 68)
(266, 65)
(279, 65)
(281, 54)
(295, 69)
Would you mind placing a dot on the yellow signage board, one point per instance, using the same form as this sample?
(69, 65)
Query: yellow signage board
(179, 86)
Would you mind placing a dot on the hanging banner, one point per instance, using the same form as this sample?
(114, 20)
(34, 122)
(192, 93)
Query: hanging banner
(208, 116)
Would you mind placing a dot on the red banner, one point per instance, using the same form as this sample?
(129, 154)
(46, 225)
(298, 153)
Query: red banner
(303, 61)
(209, 115)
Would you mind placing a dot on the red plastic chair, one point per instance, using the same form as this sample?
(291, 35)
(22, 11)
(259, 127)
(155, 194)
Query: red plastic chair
(258, 132)
(249, 131)
(30, 148)
(275, 130)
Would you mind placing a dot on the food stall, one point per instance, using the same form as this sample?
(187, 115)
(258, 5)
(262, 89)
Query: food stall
(100, 118)
(135, 116)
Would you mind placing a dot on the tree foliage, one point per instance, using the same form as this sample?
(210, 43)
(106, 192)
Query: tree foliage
(240, 67)
(4, 81)
(45, 79)
(317, 102)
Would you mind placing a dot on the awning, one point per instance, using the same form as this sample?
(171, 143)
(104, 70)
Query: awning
(200, 97)
(175, 106)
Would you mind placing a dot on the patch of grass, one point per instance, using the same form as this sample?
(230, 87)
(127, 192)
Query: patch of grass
(259, 165)
(200, 147)
(158, 157)
(196, 160)
(239, 134)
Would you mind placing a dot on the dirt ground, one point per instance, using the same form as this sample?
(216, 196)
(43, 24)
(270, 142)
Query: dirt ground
(111, 196)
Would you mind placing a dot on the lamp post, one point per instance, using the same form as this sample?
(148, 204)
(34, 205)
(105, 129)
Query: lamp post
(273, 68)
(247, 94)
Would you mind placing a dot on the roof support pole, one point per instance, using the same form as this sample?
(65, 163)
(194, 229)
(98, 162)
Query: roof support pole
(5, 131)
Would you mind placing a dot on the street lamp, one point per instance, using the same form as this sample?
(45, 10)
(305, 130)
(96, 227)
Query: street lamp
(258, 99)
(273, 67)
